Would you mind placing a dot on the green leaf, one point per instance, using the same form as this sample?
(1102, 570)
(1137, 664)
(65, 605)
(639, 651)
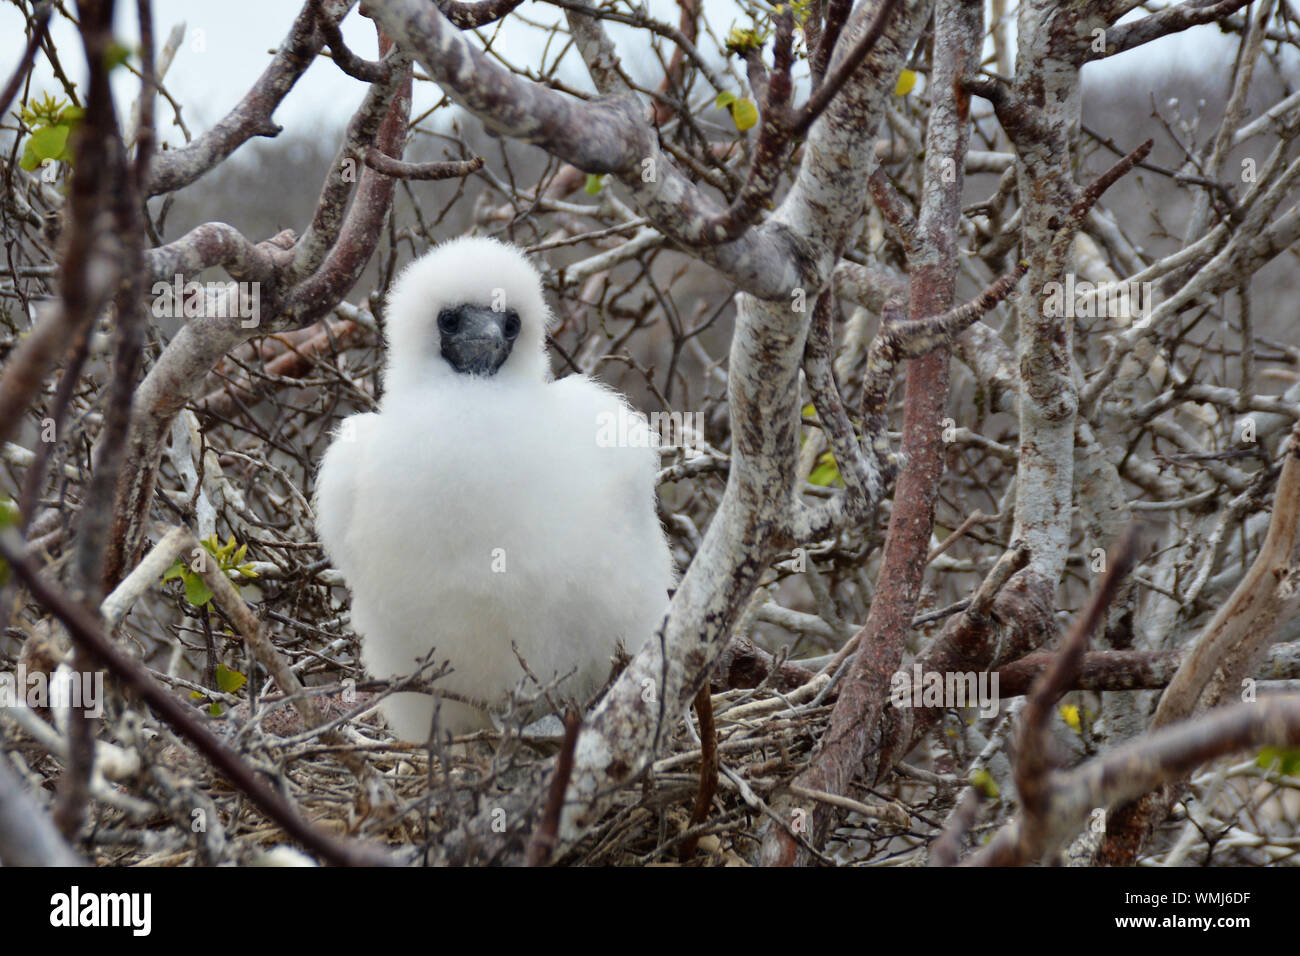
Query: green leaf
(594, 183)
(229, 557)
(826, 473)
(196, 591)
(215, 709)
(116, 55)
(30, 161)
(51, 142)
(983, 781)
(8, 516)
(741, 40)
(725, 99)
(906, 80)
(228, 680)
(1287, 761)
(744, 113)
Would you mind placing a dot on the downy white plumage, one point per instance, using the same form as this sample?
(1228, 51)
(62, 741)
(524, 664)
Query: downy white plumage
(480, 507)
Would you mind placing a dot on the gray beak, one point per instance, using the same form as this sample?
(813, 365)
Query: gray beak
(475, 340)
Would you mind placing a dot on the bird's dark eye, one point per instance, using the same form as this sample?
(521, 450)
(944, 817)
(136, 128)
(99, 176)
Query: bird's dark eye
(512, 325)
(448, 322)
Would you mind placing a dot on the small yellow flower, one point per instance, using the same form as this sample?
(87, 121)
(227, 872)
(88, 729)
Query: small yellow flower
(1070, 714)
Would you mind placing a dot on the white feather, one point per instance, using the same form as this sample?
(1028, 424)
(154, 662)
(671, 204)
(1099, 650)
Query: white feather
(473, 512)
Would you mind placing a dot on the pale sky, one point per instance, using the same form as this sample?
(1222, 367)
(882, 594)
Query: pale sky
(227, 45)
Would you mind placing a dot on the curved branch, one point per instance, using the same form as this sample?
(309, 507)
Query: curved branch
(837, 12)
(219, 244)
(354, 66)
(171, 170)
(454, 169)
(607, 135)
(1172, 19)
(470, 16)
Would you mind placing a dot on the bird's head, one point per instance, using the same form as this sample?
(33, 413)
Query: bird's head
(472, 307)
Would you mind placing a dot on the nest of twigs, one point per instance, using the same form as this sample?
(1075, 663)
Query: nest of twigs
(157, 802)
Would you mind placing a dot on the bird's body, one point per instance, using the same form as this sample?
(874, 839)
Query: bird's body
(476, 511)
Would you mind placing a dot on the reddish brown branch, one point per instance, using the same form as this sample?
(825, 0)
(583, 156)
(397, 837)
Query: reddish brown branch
(708, 770)
(544, 839)
(893, 209)
(842, 70)
(83, 290)
(837, 14)
(857, 712)
(1099, 670)
(1093, 191)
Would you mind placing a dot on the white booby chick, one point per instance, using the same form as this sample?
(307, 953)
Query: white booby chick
(484, 503)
